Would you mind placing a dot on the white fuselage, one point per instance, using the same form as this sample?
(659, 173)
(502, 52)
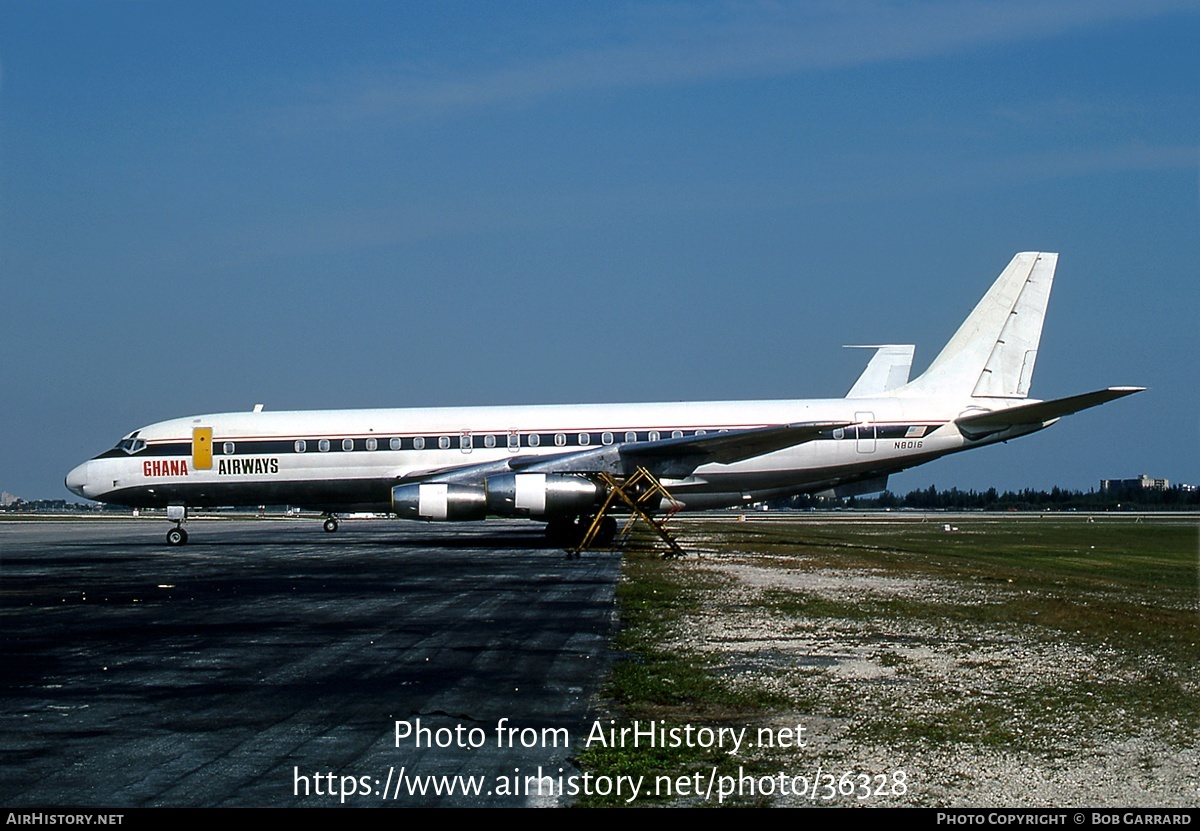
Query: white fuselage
(563, 463)
(342, 460)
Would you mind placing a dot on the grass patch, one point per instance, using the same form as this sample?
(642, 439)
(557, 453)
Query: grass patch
(669, 687)
(958, 649)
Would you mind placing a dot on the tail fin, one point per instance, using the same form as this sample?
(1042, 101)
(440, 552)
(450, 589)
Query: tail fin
(993, 352)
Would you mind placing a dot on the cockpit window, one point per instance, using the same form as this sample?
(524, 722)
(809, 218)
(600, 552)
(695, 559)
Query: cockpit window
(132, 445)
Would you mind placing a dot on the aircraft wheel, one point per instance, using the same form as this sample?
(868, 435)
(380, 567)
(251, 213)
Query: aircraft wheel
(562, 531)
(331, 525)
(607, 532)
(176, 536)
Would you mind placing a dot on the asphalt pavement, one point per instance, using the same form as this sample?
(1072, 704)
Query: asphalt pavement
(268, 663)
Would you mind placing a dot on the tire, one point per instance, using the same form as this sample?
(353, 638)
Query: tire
(331, 525)
(607, 532)
(176, 536)
(563, 531)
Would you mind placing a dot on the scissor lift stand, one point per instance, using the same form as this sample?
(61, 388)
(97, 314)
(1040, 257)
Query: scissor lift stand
(635, 492)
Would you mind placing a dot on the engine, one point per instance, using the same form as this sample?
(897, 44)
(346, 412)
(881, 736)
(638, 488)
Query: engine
(445, 503)
(541, 494)
(508, 494)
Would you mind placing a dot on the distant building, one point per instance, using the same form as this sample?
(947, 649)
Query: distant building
(7, 499)
(1142, 483)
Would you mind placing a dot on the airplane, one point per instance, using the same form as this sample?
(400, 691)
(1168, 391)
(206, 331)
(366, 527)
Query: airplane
(556, 463)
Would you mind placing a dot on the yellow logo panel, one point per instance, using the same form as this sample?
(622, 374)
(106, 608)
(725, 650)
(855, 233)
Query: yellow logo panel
(202, 448)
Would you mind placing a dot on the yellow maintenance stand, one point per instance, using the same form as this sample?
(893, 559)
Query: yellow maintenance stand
(635, 492)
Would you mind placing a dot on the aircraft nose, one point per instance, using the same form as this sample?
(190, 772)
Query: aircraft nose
(77, 479)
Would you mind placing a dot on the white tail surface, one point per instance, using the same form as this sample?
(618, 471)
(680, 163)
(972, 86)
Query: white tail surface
(993, 353)
(887, 370)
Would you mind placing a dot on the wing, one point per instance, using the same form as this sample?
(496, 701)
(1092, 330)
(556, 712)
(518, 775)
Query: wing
(733, 446)
(670, 458)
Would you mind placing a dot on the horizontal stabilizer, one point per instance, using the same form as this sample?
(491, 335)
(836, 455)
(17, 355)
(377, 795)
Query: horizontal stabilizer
(887, 370)
(1040, 412)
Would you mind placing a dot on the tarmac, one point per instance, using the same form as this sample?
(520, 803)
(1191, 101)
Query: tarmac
(268, 663)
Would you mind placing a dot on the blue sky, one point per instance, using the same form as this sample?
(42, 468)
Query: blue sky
(320, 205)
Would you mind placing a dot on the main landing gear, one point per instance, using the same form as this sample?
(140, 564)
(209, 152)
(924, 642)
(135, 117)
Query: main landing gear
(635, 492)
(178, 515)
(331, 523)
(568, 532)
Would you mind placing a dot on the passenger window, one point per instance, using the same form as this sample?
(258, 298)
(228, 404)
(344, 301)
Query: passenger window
(584, 439)
(631, 436)
(443, 442)
(323, 445)
(701, 432)
(606, 438)
(676, 434)
(514, 440)
(372, 444)
(653, 435)
(465, 443)
(560, 439)
(534, 439)
(301, 446)
(394, 444)
(489, 441)
(227, 448)
(419, 443)
(839, 433)
(347, 444)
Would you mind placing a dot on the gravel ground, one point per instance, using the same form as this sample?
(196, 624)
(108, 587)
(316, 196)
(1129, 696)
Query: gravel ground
(975, 714)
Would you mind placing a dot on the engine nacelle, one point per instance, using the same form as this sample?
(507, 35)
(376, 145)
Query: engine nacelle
(541, 494)
(439, 503)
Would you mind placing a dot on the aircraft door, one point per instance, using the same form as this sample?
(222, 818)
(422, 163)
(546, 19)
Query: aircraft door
(202, 448)
(864, 432)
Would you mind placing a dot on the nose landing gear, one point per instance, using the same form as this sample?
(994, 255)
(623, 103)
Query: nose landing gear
(178, 515)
